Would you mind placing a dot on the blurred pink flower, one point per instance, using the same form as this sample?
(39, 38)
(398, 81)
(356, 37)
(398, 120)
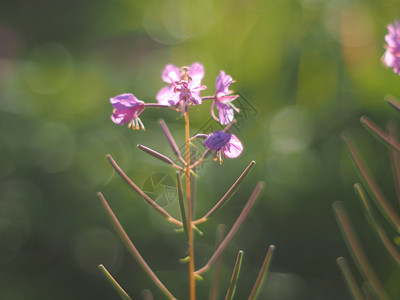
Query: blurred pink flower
(391, 58)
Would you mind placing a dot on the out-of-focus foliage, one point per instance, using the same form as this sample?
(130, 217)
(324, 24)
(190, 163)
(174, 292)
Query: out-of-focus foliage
(305, 69)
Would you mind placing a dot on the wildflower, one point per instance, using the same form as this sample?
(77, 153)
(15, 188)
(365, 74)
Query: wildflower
(172, 94)
(223, 99)
(223, 143)
(392, 55)
(127, 109)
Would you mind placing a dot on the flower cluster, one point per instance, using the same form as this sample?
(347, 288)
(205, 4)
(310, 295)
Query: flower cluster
(183, 90)
(392, 54)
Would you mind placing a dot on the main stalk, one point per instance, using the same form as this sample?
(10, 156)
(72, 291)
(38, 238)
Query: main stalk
(192, 281)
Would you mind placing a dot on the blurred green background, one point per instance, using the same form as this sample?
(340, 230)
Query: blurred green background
(307, 70)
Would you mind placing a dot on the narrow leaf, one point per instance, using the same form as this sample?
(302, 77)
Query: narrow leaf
(379, 133)
(147, 295)
(171, 140)
(394, 160)
(394, 103)
(374, 223)
(132, 249)
(357, 252)
(230, 192)
(234, 228)
(262, 274)
(349, 279)
(159, 156)
(150, 201)
(380, 199)
(114, 283)
(214, 290)
(235, 276)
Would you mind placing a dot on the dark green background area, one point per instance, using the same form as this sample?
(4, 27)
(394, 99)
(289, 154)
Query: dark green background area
(306, 70)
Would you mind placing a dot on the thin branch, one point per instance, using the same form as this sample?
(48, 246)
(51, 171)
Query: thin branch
(150, 201)
(357, 251)
(159, 156)
(368, 291)
(114, 283)
(394, 103)
(132, 249)
(221, 230)
(234, 228)
(235, 276)
(171, 140)
(374, 223)
(147, 295)
(381, 201)
(349, 279)
(394, 160)
(380, 133)
(228, 194)
(262, 274)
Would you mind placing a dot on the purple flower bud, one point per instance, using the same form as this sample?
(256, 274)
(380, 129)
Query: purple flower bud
(127, 109)
(391, 58)
(227, 143)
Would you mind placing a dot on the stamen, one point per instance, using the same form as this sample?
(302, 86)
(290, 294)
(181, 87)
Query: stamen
(141, 124)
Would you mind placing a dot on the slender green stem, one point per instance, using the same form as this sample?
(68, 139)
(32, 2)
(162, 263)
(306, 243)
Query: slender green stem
(357, 251)
(262, 273)
(235, 276)
(349, 279)
(132, 249)
(192, 281)
(114, 283)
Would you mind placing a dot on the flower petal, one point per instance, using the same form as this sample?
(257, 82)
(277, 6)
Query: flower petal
(196, 71)
(217, 140)
(225, 113)
(165, 94)
(125, 101)
(222, 83)
(233, 148)
(123, 116)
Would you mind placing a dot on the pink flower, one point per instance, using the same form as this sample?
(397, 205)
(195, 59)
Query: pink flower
(174, 77)
(392, 55)
(223, 99)
(127, 109)
(223, 143)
